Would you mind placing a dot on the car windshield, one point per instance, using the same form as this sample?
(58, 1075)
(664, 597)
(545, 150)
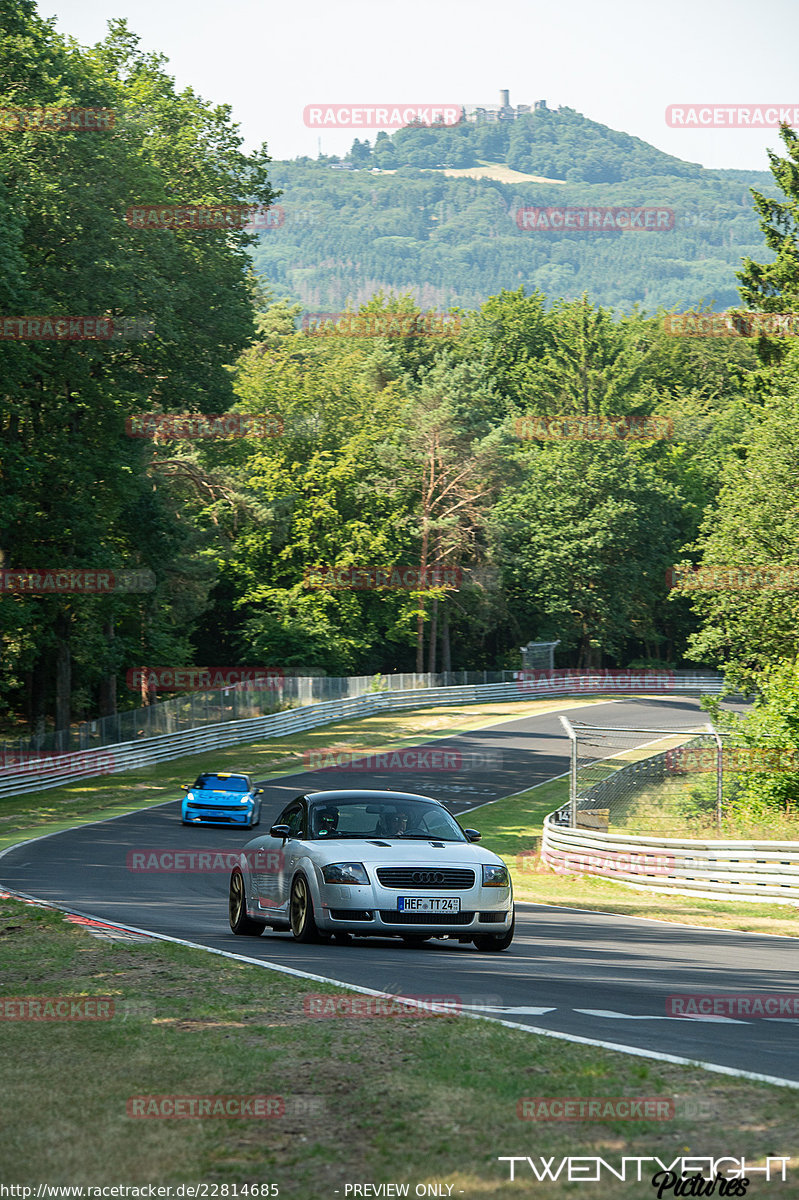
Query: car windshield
(221, 783)
(371, 818)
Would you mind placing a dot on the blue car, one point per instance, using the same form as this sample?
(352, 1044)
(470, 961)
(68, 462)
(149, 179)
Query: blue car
(221, 799)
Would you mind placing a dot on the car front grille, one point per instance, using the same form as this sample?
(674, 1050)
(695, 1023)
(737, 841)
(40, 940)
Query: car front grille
(390, 916)
(425, 879)
(212, 807)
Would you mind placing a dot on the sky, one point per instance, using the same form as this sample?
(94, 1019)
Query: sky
(619, 62)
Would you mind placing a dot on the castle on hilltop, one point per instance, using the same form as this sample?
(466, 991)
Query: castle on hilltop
(505, 112)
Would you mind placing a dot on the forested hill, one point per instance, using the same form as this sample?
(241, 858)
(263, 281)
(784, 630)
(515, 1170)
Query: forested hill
(395, 216)
(561, 144)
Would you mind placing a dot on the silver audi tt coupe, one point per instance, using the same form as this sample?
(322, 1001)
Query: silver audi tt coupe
(370, 863)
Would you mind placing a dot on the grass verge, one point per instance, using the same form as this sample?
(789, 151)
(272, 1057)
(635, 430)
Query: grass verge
(377, 1100)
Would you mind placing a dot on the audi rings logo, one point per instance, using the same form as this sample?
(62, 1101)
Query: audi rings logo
(427, 877)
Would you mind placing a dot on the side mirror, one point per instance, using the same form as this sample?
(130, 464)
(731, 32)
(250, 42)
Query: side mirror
(281, 831)
(472, 835)
(184, 787)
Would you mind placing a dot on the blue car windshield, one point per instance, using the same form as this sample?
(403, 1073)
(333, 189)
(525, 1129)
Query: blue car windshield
(221, 783)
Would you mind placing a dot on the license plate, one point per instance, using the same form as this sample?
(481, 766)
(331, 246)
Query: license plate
(429, 904)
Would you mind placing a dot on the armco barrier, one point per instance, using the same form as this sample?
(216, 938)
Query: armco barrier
(53, 772)
(737, 870)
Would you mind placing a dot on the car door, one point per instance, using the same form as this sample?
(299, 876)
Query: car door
(296, 817)
(277, 859)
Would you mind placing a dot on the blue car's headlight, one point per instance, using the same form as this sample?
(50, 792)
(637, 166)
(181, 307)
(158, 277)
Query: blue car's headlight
(495, 875)
(350, 872)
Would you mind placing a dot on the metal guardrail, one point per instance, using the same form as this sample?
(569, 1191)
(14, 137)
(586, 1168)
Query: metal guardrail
(54, 771)
(716, 869)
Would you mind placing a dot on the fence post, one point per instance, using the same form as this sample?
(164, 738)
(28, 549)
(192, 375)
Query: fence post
(567, 725)
(719, 775)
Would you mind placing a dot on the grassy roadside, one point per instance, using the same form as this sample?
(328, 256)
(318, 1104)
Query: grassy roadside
(88, 800)
(512, 828)
(366, 1100)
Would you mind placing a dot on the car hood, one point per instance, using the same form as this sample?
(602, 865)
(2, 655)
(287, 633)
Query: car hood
(383, 851)
(214, 799)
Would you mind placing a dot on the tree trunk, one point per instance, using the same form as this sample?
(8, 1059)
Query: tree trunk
(107, 692)
(431, 656)
(63, 680)
(446, 651)
(36, 698)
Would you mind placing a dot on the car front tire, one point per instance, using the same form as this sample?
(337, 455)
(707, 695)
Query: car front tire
(496, 941)
(301, 915)
(240, 923)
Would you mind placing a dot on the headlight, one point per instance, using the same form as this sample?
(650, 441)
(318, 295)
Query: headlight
(245, 799)
(345, 873)
(495, 875)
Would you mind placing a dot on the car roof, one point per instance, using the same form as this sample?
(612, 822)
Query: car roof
(224, 775)
(373, 795)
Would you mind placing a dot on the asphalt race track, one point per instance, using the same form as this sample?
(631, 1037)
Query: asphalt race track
(596, 976)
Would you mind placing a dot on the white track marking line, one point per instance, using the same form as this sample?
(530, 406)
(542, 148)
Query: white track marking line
(608, 1014)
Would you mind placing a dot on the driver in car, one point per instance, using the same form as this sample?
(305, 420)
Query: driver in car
(327, 821)
(393, 824)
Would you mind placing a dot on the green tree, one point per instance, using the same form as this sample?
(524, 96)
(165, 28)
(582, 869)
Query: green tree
(583, 546)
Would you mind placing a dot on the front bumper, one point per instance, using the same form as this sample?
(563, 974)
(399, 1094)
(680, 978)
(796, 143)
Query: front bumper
(216, 814)
(370, 908)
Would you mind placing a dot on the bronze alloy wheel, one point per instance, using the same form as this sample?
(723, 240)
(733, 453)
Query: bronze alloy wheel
(303, 925)
(240, 923)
